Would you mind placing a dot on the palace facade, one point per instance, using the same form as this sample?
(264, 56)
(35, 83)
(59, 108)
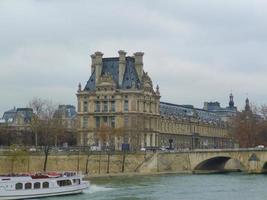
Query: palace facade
(119, 99)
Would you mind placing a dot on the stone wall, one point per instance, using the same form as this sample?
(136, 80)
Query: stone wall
(95, 163)
(143, 162)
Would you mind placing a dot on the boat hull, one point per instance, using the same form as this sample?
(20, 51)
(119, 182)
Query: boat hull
(25, 194)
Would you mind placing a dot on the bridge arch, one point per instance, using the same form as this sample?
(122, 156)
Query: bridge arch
(217, 165)
(264, 168)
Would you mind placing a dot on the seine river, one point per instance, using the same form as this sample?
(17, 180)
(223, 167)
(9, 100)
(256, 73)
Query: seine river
(171, 187)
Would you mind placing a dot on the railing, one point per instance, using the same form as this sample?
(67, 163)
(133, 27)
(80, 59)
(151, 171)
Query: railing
(85, 149)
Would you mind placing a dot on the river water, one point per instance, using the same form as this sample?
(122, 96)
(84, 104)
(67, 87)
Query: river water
(233, 186)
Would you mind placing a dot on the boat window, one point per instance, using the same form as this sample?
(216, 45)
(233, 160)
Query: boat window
(76, 181)
(45, 185)
(28, 186)
(37, 185)
(18, 186)
(64, 183)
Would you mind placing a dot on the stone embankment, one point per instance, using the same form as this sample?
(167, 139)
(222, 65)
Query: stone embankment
(104, 164)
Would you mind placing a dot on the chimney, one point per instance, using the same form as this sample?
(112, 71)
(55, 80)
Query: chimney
(93, 63)
(122, 65)
(138, 62)
(98, 65)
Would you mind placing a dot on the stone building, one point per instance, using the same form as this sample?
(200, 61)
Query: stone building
(224, 113)
(67, 113)
(68, 116)
(120, 95)
(15, 126)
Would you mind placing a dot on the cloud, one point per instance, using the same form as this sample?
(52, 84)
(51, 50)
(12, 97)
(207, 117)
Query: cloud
(195, 50)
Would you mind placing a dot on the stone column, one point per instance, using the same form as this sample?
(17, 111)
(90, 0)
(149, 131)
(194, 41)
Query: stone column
(122, 65)
(81, 138)
(148, 140)
(98, 65)
(142, 141)
(138, 62)
(153, 140)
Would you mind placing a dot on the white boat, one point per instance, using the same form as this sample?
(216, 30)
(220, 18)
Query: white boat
(41, 185)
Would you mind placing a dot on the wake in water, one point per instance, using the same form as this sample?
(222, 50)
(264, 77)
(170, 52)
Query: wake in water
(95, 188)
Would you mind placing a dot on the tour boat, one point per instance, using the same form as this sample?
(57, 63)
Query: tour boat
(25, 186)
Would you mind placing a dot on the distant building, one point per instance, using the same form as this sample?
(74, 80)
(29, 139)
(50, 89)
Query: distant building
(15, 126)
(68, 115)
(18, 116)
(224, 113)
(119, 94)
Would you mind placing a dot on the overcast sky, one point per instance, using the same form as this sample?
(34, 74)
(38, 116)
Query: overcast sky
(195, 50)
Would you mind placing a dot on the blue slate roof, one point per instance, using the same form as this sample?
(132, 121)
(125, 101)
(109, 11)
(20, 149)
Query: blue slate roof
(111, 67)
(10, 115)
(66, 111)
(25, 113)
(185, 111)
(90, 85)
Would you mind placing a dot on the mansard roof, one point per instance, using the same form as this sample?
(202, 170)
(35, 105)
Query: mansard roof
(25, 113)
(66, 111)
(111, 67)
(186, 111)
(90, 85)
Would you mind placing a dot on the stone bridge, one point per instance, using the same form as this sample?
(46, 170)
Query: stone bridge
(196, 161)
(208, 161)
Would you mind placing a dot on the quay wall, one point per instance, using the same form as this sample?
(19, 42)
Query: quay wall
(99, 163)
(95, 164)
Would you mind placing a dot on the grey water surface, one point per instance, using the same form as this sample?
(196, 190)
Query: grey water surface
(233, 186)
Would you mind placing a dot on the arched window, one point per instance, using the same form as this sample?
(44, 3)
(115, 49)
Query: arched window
(37, 185)
(45, 185)
(19, 186)
(28, 186)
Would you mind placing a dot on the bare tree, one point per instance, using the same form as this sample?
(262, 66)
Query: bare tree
(37, 104)
(250, 127)
(45, 125)
(106, 136)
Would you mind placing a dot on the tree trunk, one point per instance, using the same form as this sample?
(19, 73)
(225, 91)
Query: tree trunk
(123, 162)
(108, 162)
(46, 156)
(36, 138)
(86, 166)
(99, 162)
(78, 160)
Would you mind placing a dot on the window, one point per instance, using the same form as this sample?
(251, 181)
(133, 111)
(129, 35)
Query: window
(97, 106)
(105, 108)
(126, 121)
(45, 185)
(85, 122)
(37, 185)
(105, 120)
(18, 186)
(112, 106)
(76, 181)
(97, 122)
(126, 105)
(63, 183)
(85, 106)
(112, 122)
(28, 186)
(144, 107)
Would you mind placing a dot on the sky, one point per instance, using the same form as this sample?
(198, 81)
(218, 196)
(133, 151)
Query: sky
(195, 50)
